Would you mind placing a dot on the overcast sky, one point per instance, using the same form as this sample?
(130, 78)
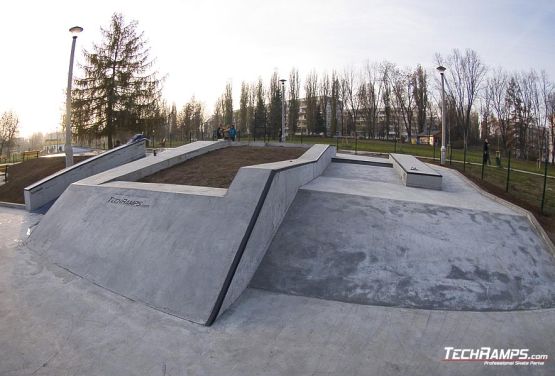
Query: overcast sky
(201, 45)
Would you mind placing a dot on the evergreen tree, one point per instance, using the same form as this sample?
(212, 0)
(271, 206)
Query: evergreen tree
(228, 105)
(420, 93)
(260, 112)
(274, 113)
(294, 103)
(243, 107)
(118, 91)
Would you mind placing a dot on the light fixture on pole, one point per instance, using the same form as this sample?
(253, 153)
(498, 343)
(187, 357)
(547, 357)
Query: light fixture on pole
(69, 150)
(282, 138)
(441, 70)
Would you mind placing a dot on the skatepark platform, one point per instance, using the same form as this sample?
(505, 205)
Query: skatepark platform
(185, 250)
(349, 232)
(362, 275)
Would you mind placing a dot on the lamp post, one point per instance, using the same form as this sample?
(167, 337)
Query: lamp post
(282, 138)
(69, 151)
(441, 70)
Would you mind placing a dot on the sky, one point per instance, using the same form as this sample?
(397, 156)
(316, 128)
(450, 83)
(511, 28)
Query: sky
(201, 45)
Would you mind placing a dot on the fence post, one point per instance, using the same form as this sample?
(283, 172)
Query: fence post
(356, 143)
(450, 154)
(483, 160)
(464, 158)
(508, 172)
(395, 146)
(336, 143)
(544, 182)
(434, 151)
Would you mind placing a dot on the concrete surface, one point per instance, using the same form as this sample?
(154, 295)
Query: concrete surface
(174, 248)
(407, 255)
(281, 194)
(415, 173)
(50, 188)
(55, 323)
(357, 235)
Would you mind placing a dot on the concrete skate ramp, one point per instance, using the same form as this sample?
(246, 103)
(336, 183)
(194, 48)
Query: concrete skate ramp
(188, 251)
(379, 251)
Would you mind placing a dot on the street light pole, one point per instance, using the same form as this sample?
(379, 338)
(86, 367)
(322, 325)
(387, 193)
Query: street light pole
(441, 70)
(282, 138)
(69, 150)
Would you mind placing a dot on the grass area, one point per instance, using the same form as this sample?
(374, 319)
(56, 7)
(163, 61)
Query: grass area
(23, 174)
(474, 154)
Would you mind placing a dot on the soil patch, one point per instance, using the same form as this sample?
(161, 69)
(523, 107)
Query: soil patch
(28, 172)
(218, 168)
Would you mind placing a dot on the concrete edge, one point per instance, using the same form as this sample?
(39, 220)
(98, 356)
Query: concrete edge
(77, 165)
(137, 169)
(531, 218)
(50, 188)
(360, 162)
(12, 205)
(311, 156)
(396, 161)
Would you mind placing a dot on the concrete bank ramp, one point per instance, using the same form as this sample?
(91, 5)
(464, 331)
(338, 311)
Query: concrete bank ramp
(188, 251)
(356, 234)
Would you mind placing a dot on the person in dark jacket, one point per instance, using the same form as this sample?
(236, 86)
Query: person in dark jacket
(220, 132)
(486, 153)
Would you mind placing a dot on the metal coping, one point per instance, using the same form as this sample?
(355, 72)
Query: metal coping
(243, 245)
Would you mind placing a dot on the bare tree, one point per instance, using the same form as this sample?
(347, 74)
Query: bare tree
(401, 84)
(371, 95)
(496, 87)
(465, 75)
(352, 86)
(9, 125)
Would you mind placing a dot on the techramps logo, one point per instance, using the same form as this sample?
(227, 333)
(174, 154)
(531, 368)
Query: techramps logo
(129, 202)
(490, 356)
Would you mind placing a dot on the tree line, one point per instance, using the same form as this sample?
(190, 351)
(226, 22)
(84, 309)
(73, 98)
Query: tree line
(120, 93)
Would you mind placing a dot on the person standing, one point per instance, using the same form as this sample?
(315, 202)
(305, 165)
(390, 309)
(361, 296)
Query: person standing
(220, 132)
(232, 133)
(486, 158)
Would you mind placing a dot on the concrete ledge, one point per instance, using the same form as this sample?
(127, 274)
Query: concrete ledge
(139, 169)
(12, 205)
(415, 173)
(363, 160)
(50, 188)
